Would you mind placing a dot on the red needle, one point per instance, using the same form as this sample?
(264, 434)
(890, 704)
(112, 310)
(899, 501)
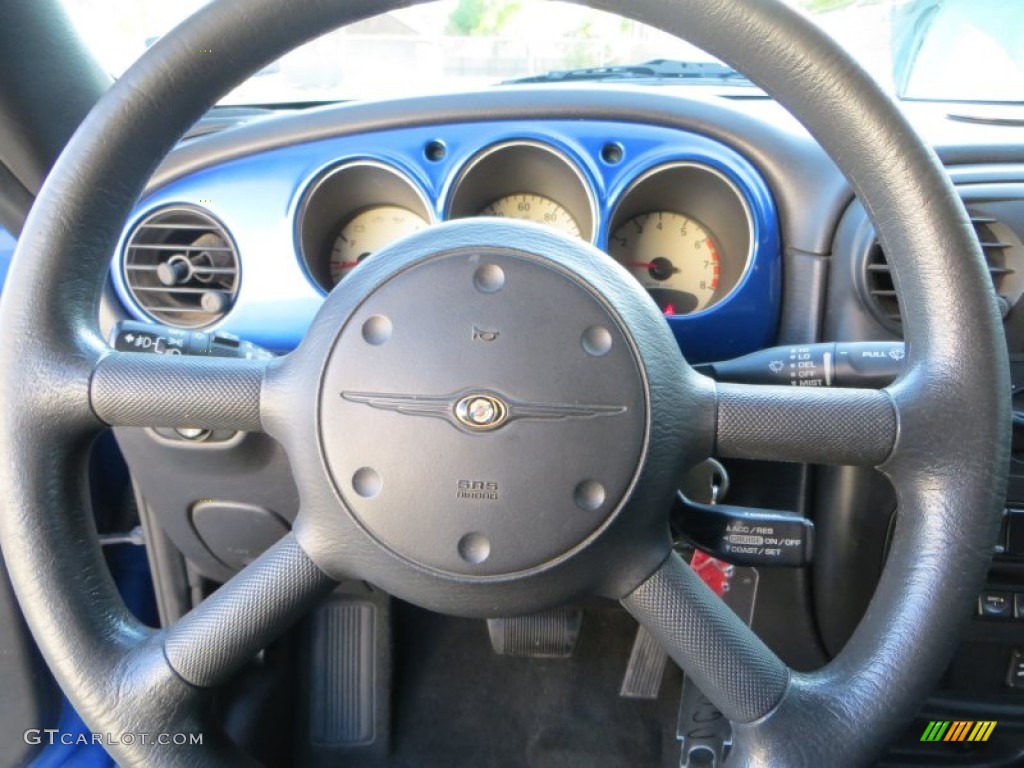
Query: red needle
(356, 263)
(641, 264)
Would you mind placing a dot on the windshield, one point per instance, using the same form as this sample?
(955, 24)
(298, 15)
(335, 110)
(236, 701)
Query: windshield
(924, 49)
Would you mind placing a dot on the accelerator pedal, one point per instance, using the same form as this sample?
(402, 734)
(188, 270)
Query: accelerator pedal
(647, 662)
(549, 634)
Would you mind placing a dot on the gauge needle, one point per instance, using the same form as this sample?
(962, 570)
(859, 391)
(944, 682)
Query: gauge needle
(659, 265)
(356, 263)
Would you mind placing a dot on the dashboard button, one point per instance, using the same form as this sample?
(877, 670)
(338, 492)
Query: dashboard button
(995, 605)
(1002, 543)
(1015, 673)
(1015, 533)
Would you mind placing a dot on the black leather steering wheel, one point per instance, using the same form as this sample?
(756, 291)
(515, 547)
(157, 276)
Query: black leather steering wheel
(940, 433)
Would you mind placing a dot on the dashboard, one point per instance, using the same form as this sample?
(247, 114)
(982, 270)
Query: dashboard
(253, 245)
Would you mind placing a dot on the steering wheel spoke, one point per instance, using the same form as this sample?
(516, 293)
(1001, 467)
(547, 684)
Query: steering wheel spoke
(819, 426)
(221, 634)
(729, 663)
(137, 390)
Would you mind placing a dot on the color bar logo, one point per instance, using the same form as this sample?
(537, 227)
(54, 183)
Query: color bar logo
(958, 730)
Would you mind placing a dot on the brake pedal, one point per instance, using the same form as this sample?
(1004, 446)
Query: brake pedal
(546, 635)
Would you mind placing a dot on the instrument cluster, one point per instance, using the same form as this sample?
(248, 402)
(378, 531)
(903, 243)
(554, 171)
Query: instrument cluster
(682, 228)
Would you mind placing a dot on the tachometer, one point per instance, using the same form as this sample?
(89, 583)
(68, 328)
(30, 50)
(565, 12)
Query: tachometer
(368, 232)
(672, 256)
(538, 208)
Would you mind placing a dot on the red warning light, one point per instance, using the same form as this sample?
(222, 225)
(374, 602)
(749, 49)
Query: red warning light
(669, 309)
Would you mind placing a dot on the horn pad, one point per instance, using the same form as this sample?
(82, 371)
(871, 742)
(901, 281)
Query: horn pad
(483, 413)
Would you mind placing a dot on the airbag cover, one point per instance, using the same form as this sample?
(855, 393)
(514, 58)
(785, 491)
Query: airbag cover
(483, 413)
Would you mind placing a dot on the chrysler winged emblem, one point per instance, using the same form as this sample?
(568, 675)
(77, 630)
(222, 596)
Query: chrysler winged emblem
(479, 410)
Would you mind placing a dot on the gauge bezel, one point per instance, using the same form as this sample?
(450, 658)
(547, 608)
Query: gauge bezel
(523, 166)
(707, 196)
(338, 194)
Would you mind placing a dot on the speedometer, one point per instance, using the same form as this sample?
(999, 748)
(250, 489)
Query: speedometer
(672, 256)
(538, 208)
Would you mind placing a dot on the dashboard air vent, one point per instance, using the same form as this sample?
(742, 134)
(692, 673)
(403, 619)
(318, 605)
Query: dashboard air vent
(181, 267)
(999, 245)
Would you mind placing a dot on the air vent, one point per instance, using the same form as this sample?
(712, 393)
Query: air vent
(181, 267)
(1002, 253)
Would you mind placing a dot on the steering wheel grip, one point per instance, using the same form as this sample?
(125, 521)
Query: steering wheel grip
(58, 388)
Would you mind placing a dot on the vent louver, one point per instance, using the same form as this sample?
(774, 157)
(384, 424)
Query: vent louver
(181, 267)
(882, 291)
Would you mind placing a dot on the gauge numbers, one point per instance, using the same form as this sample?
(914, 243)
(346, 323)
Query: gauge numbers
(538, 208)
(369, 231)
(672, 256)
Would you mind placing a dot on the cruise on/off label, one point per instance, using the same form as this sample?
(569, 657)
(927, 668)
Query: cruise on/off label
(771, 541)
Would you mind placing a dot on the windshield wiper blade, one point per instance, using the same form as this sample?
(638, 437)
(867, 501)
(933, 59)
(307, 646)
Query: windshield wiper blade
(656, 70)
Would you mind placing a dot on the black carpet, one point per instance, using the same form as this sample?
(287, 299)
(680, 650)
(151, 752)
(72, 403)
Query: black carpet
(458, 704)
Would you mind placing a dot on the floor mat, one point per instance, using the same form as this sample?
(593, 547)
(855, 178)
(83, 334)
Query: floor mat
(458, 704)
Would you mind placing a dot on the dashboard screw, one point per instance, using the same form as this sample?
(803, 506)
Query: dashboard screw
(612, 153)
(435, 151)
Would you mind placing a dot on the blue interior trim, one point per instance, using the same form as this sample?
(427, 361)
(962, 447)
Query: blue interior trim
(7, 243)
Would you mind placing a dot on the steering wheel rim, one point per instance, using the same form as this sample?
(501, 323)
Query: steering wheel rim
(59, 385)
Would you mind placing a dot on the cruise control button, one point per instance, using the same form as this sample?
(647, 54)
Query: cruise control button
(995, 605)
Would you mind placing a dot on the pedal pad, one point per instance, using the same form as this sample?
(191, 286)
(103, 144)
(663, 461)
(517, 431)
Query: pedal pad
(647, 662)
(546, 635)
(343, 649)
(346, 678)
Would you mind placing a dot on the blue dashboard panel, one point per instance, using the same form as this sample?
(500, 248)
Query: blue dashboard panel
(258, 198)
(7, 243)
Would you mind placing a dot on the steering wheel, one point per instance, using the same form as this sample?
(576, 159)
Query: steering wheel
(388, 401)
